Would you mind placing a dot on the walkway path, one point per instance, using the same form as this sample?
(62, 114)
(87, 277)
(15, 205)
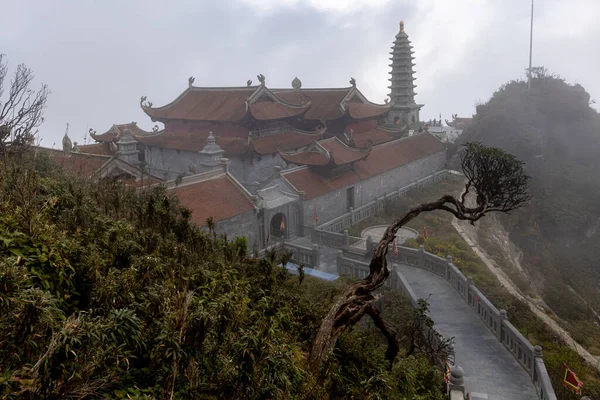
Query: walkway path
(505, 280)
(491, 372)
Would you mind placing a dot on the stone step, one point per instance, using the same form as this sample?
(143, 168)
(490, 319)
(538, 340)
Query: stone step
(477, 396)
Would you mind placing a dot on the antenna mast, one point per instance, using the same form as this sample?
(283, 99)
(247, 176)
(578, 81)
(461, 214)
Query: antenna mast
(530, 47)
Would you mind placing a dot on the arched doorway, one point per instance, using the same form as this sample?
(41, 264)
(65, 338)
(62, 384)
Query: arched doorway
(279, 226)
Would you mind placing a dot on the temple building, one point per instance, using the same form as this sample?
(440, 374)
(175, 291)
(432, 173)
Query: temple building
(264, 162)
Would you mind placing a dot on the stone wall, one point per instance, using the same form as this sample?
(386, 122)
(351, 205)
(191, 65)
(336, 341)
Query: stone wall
(241, 225)
(257, 169)
(170, 163)
(334, 204)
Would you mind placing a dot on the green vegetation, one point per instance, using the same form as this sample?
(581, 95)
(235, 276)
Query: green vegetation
(108, 292)
(443, 240)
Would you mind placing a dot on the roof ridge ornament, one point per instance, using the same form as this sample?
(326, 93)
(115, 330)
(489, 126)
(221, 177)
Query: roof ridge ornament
(66, 142)
(261, 79)
(249, 82)
(191, 80)
(296, 83)
(142, 100)
(401, 26)
(353, 82)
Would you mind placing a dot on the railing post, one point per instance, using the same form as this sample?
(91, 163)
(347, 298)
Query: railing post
(448, 262)
(469, 283)
(340, 269)
(457, 381)
(353, 215)
(313, 232)
(346, 238)
(316, 256)
(421, 256)
(416, 182)
(538, 355)
(451, 354)
(369, 245)
(503, 317)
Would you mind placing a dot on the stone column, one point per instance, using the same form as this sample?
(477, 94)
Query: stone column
(421, 256)
(469, 283)
(538, 358)
(353, 215)
(448, 262)
(316, 256)
(369, 244)
(457, 382)
(503, 317)
(451, 354)
(301, 216)
(313, 232)
(346, 238)
(338, 262)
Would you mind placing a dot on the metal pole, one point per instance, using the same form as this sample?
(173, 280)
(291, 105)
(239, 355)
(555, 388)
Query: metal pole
(530, 46)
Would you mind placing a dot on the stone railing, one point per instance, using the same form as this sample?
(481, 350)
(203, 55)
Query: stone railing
(376, 206)
(396, 281)
(307, 256)
(528, 356)
(331, 239)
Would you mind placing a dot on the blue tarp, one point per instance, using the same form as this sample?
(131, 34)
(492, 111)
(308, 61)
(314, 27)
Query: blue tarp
(293, 268)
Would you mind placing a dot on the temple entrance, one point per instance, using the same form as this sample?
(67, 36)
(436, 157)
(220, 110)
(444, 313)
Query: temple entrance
(279, 226)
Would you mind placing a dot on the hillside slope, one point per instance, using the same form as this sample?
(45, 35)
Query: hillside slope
(553, 129)
(108, 292)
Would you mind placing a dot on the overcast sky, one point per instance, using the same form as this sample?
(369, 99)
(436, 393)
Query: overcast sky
(99, 57)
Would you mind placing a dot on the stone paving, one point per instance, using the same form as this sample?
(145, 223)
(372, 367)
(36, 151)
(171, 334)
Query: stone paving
(491, 372)
(376, 232)
(328, 259)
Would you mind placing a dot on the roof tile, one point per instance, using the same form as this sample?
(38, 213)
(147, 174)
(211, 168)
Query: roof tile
(360, 110)
(375, 137)
(268, 110)
(290, 140)
(207, 104)
(218, 198)
(381, 159)
(80, 164)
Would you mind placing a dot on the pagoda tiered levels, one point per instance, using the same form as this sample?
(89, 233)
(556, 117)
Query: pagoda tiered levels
(402, 86)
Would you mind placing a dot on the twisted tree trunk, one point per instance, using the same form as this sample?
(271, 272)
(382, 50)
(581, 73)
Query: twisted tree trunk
(356, 300)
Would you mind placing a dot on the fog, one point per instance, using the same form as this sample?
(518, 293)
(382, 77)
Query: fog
(98, 58)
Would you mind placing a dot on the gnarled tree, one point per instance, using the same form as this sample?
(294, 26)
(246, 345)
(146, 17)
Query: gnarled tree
(21, 112)
(496, 182)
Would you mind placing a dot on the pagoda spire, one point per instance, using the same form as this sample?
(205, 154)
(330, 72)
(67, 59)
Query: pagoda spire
(402, 92)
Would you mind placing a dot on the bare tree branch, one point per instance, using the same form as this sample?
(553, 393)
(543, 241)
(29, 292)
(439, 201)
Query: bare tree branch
(21, 113)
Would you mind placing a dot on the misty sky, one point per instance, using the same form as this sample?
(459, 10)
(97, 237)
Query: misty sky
(99, 57)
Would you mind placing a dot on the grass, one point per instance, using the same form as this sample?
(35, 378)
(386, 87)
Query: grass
(443, 240)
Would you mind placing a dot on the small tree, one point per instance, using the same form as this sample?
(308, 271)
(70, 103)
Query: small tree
(21, 112)
(496, 181)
